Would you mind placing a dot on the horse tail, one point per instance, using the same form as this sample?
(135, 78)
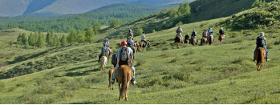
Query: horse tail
(125, 81)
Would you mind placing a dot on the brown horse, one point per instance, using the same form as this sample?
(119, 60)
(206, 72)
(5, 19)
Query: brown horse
(110, 74)
(260, 58)
(124, 76)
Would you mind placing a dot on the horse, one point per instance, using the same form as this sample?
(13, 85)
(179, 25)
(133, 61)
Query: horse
(104, 59)
(179, 39)
(210, 39)
(187, 39)
(221, 38)
(193, 40)
(203, 41)
(110, 74)
(141, 45)
(137, 46)
(260, 57)
(123, 76)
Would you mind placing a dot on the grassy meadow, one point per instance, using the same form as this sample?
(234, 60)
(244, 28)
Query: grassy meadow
(221, 73)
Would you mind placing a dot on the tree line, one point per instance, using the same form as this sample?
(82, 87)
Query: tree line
(50, 39)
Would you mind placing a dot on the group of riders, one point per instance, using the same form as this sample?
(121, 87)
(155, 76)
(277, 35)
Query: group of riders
(207, 36)
(125, 54)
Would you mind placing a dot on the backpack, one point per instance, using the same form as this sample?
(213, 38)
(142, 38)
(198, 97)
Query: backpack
(104, 50)
(124, 54)
(260, 42)
(130, 42)
(114, 60)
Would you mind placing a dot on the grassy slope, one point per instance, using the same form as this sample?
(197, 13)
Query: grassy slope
(166, 74)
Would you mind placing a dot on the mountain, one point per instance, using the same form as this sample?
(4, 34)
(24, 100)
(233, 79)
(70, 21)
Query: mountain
(11, 8)
(35, 5)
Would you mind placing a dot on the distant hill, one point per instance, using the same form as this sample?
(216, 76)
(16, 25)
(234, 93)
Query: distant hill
(11, 8)
(200, 10)
(42, 22)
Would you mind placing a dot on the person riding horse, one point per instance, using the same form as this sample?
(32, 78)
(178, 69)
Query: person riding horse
(193, 37)
(105, 49)
(210, 36)
(222, 34)
(143, 38)
(204, 37)
(261, 51)
(261, 43)
(124, 57)
(131, 44)
(130, 33)
(179, 36)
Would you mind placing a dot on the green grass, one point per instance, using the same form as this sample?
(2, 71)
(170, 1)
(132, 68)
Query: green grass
(222, 73)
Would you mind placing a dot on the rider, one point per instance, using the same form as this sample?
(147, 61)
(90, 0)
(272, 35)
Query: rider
(179, 32)
(205, 33)
(130, 43)
(130, 32)
(143, 37)
(261, 42)
(105, 48)
(210, 32)
(193, 33)
(221, 31)
(124, 57)
(106, 42)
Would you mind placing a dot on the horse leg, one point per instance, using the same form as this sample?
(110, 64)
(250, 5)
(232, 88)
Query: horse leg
(126, 91)
(120, 91)
(258, 67)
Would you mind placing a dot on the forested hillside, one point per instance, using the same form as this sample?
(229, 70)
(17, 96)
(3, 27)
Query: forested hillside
(122, 12)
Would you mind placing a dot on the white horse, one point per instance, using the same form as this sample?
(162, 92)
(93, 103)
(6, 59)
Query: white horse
(104, 59)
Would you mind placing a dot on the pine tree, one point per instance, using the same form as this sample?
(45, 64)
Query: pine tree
(81, 36)
(41, 40)
(19, 39)
(25, 40)
(63, 40)
(88, 35)
(184, 9)
(138, 31)
(32, 39)
(49, 39)
(56, 40)
(71, 38)
(115, 23)
(96, 27)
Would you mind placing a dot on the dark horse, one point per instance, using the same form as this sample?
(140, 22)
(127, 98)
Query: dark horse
(187, 39)
(210, 39)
